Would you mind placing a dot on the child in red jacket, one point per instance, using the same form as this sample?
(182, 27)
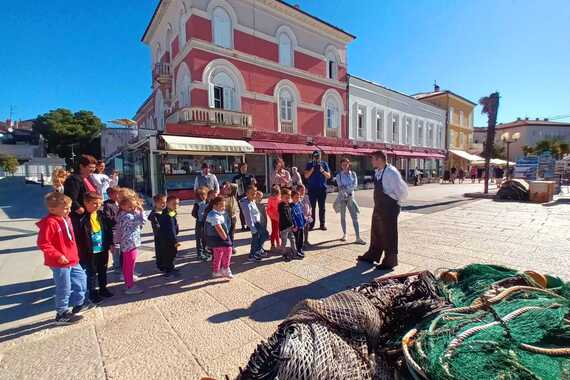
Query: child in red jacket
(57, 242)
(273, 213)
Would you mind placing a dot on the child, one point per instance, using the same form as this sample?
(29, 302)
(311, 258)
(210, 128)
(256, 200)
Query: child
(218, 239)
(128, 231)
(298, 222)
(286, 225)
(57, 242)
(209, 207)
(308, 211)
(273, 213)
(93, 242)
(168, 231)
(58, 178)
(252, 218)
(198, 212)
(262, 207)
(159, 205)
(111, 210)
(232, 208)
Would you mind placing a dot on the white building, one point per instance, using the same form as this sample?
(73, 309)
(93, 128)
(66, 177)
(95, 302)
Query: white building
(410, 131)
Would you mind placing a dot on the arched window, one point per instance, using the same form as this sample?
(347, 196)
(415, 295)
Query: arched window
(332, 115)
(182, 28)
(159, 110)
(168, 42)
(224, 92)
(157, 53)
(222, 25)
(286, 105)
(332, 63)
(285, 50)
(183, 84)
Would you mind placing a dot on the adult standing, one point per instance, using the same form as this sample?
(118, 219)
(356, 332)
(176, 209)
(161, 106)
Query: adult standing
(243, 180)
(102, 181)
(281, 177)
(207, 179)
(347, 183)
(75, 187)
(317, 173)
(389, 190)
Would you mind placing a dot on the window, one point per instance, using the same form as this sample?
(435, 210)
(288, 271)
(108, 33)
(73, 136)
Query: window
(420, 132)
(159, 110)
(461, 118)
(430, 136)
(183, 86)
(222, 28)
(332, 115)
(395, 128)
(332, 66)
(461, 139)
(285, 50)
(380, 125)
(451, 114)
(224, 92)
(360, 123)
(286, 106)
(182, 29)
(408, 129)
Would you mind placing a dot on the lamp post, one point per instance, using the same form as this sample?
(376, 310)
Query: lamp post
(508, 139)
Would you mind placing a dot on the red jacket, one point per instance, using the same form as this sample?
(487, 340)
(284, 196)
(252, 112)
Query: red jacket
(54, 241)
(272, 208)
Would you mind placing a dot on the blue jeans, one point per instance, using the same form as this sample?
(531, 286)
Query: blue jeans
(351, 206)
(258, 238)
(70, 286)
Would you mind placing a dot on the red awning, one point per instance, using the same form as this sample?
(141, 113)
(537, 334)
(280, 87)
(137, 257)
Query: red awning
(274, 147)
(329, 149)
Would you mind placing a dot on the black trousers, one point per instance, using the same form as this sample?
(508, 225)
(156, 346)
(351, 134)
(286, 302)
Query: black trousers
(95, 266)
(318, 197)
(199, 235)
(241, 216)
(384, 233)
(299, 239)
(167, 254)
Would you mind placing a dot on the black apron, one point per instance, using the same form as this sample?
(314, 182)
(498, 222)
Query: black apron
(384, 230)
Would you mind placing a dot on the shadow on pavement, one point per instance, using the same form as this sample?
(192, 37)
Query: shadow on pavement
(20, 200)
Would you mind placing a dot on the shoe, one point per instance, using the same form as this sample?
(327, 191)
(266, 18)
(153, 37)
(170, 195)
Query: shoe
(227, 273)
(122, 278)
(219, 274)
(136, 275)
(323, 228)
(365, 259)
(300, 255)
(262, 253)
(67, 318)
(105, 293)
(343, 238)
(234, 251)
(134, 290)
(96, 299)
(87, 306)
(359, 241)
(389, 262)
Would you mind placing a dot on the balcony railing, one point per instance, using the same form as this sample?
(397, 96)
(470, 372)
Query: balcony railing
(212, 116)
(287, 127)
(333, 132)
(161, 73)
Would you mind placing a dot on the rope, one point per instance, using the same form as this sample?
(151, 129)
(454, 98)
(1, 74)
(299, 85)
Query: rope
(406, 342)
(546, 351)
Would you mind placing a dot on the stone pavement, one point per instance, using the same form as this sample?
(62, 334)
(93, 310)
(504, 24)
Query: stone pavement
(195, 326)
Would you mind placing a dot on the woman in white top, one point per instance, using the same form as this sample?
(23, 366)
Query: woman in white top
(347, 183)
(281, 177)
(102, 181)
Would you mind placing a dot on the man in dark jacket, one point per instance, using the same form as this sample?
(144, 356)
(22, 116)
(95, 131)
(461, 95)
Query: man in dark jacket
(244, 181)
(168, 240)
(76, 185)
(94, 239)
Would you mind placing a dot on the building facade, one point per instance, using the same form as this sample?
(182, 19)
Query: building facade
(459, 137)
(259, 71)
(531, 131)
(113, 139)
(412, 132)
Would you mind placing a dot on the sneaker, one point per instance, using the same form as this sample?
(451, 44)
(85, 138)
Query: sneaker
(134, 290)
(343, 238)
(87, 306)
(253, 258)
(262, 253)
(359, 241)
(219, 274)
(227, 272)
(299, 256)
(105, 293)
(67, 318)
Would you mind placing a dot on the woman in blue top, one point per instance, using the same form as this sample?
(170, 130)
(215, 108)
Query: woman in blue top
(347, 183)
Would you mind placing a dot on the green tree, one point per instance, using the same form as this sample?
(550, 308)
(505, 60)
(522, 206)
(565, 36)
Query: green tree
(9, 163)
(558, 147)
(63, 129)
(527, 150)
(498, 151)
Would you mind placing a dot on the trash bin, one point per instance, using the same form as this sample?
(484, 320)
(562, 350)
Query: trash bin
(541, 191)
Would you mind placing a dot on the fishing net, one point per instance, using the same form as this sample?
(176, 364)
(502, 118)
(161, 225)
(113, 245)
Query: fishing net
(478, 322)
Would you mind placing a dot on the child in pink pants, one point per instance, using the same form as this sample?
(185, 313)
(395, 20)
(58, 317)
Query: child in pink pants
(129, 225)
(218, 239)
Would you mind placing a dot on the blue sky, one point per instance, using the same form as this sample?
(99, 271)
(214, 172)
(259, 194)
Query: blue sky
(83, 55)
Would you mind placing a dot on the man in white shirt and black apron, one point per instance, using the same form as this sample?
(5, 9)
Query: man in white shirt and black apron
(389, 190)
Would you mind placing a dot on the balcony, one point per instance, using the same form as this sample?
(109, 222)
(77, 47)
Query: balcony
(333, 132)
(287, 127)
(161, 73)
(211, 116)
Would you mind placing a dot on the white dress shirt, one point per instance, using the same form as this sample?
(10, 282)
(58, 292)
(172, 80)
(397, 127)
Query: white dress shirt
(392, 183)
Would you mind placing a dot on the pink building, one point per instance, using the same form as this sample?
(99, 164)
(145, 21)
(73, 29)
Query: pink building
(263, 74)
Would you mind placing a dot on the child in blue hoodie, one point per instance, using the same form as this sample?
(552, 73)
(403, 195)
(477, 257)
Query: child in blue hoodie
(298, 222)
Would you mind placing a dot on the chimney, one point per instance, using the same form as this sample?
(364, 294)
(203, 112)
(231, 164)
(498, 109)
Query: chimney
(537, 119)
(545, 119)
(297, 6)
(526, 118)
(435, 87)
(518, 119)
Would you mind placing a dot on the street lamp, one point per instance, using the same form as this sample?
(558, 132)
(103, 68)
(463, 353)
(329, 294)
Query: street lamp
(508, 139)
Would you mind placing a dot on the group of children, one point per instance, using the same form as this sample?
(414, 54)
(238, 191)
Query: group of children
(78, 254)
